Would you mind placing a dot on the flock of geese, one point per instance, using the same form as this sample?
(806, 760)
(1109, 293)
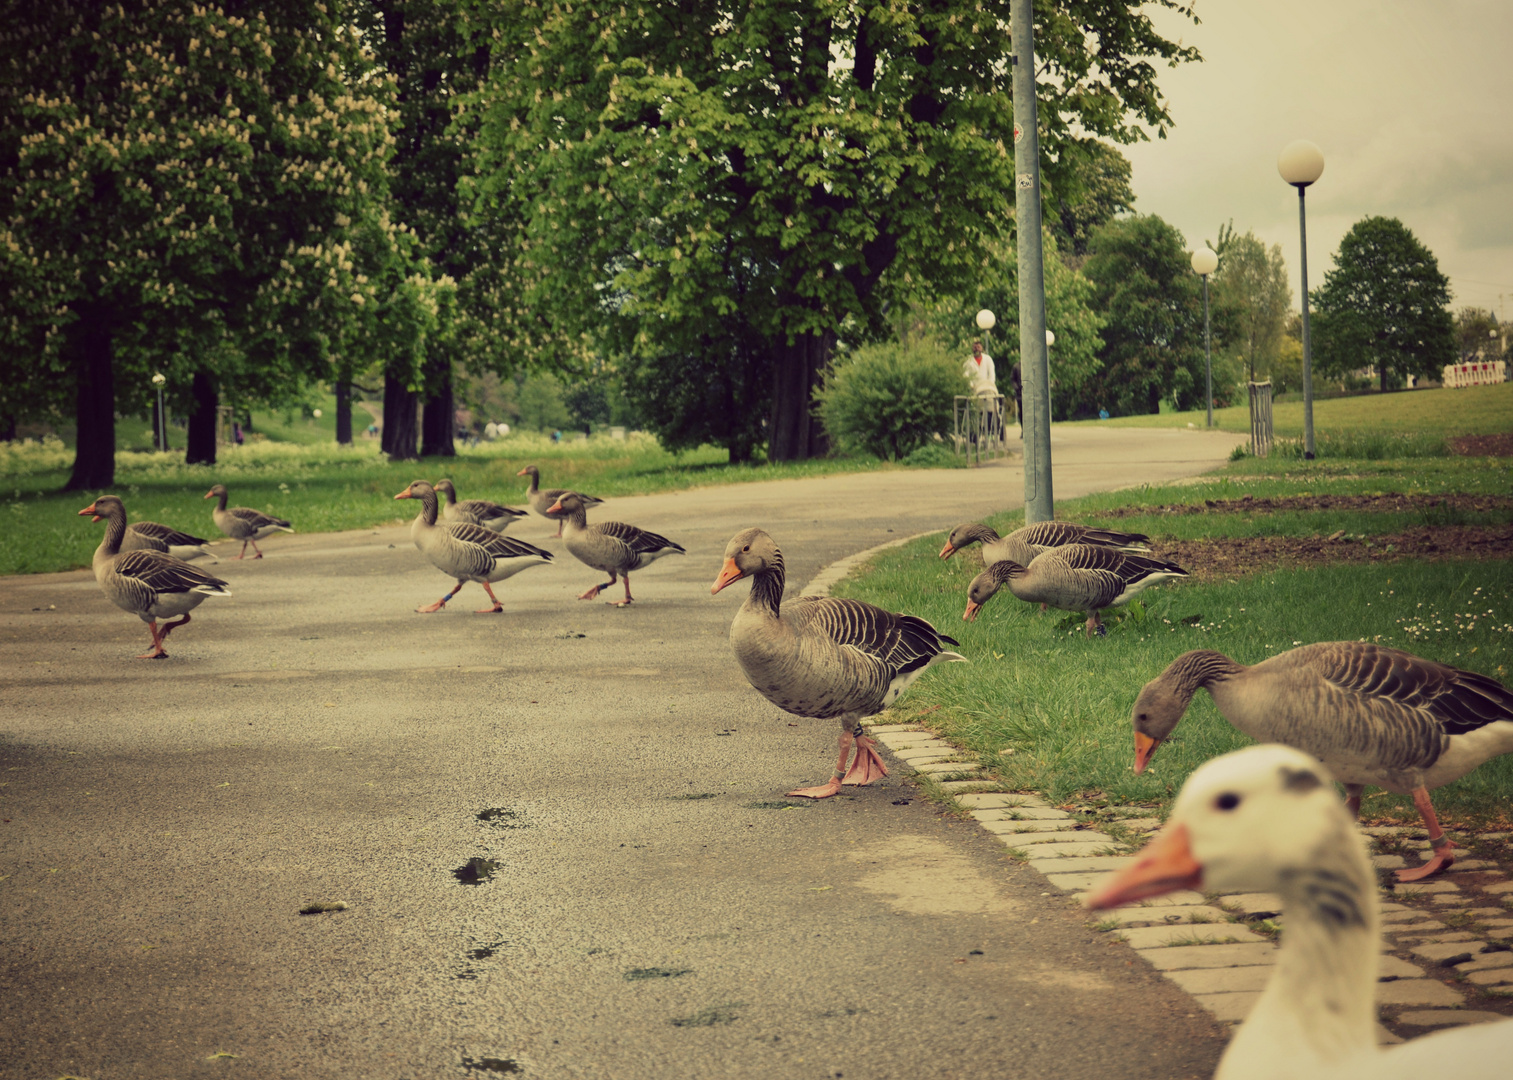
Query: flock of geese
(1260, 819)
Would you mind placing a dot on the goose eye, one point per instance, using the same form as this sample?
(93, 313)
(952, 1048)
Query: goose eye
(1228, 801)
(746, 548)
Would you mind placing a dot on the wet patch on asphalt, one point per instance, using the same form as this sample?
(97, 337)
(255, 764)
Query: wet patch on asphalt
(476, 871)
(320, 907)
(636, 974)
(502, 817)
(715, 1014)
(491, 1064)
(774, 805)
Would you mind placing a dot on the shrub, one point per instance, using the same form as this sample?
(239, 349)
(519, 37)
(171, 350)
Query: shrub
(936, 455)
(889, 400)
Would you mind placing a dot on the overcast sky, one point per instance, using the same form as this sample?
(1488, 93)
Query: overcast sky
(1411, 102)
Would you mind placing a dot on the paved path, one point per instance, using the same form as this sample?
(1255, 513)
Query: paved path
(657, 908)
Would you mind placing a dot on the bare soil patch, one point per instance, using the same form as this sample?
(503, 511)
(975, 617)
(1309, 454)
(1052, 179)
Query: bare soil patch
(1381, 504)
(1229, 557)
(1483, 445)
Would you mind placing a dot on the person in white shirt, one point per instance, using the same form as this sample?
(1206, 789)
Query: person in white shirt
(978, 368)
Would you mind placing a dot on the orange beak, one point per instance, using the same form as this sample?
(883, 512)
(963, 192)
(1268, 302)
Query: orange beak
(1145, 746)
(522, 472)
(728, 573)
(970, 615)
(1164, 865)
(90, 509)
(209, 494)
(555, 508)
(947, 551)
(405, 494)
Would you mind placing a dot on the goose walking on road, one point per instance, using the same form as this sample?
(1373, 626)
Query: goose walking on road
(244, 523)
(475, 511)
(611, 546)
(467, 552)
(150, 536)
(149, 584)
(1078, 577)
(1022, 545)
(1266, 819)
(542, 499)
(823, 657)
(1373, 715)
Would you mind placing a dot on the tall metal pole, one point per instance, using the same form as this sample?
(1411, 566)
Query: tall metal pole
(1307, 352)
(1208, 358)
(1034, 360)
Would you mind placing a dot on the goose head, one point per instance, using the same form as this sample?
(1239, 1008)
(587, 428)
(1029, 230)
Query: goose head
(445, 487)
(1155, 716)
(568, 503)
(418, 489)
(985, 586)
(216, 492)
(529, 470)
(1257, 820)
(964, 534)
(749, 552)
(103, 507)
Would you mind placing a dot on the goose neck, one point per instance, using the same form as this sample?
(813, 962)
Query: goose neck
(115, 532)
(1200, 668)
(428, 507)
(220, 499)
(767, 588)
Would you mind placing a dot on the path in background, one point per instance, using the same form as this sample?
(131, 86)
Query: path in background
(656, 907)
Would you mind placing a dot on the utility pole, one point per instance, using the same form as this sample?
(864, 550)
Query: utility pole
(1034, 360)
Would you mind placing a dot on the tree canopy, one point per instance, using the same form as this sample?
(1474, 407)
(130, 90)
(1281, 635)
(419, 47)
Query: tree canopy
(1251, 300)
(1384, 306)
(804, 165)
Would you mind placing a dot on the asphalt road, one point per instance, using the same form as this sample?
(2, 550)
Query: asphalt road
(652, 914)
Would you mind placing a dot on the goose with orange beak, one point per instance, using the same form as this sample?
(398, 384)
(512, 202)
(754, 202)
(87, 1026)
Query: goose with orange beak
(823, 657)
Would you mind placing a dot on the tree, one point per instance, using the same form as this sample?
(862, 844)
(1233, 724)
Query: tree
(1477, 335)
(1385, 305)
(806, 165)
(1153, 338)
(1251, 299)
(1103, 194)
(182, 188)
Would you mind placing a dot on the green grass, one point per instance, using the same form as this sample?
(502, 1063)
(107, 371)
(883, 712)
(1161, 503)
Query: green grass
(324, 488)
(1473, 410)
(1062, 703)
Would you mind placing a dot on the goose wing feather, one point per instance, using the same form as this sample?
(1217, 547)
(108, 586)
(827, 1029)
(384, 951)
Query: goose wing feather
(171, 537)
(165, 574)
(1457, 701)
(256, 518)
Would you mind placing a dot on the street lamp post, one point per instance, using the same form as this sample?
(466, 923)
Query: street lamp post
(161, 434)
(1205, 262)
(1301, 163)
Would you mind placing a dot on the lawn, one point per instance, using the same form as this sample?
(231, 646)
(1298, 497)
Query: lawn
(1049, 710)
(1472, 410)
(322, 487)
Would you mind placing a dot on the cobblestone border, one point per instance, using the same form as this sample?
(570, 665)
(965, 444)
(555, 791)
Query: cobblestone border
(1439, 936)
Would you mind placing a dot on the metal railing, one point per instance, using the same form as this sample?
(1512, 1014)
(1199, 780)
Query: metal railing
(1260, 418)
(978, 426)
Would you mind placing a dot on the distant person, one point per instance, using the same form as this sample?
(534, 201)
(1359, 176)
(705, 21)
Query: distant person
(1102, 413)
(236, 433)
(556, 435)
(978, 368)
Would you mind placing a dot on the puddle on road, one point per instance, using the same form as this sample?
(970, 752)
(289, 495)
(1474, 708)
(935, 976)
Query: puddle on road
(476, 871)
(491, 1064)
(502, 817)
(636, 974)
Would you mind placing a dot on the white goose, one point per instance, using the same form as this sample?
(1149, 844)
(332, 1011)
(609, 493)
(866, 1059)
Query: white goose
(1374, 715)
(1266, 819)
(824, 657)
(467, 552)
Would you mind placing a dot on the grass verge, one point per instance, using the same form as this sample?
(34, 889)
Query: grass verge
(1049, 711)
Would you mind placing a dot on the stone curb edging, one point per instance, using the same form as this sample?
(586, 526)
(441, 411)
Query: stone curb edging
(1205, 948)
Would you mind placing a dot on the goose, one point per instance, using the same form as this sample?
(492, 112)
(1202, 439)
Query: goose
(149, 584)
(467, 552)
(150, 536)
(1373, 715)
(242, 522)
(542, 501)
(823, 657)
(1265, 819)
(1077, 577)
(1022, 545)
(611, 546)
(475, 511)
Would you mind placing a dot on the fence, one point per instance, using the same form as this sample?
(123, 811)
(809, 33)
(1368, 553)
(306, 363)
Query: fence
(1260, 418)
(978, 427)
(1478, 374)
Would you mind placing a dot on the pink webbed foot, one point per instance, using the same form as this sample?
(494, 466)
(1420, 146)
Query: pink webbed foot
(159, 655)
(1443, 859)
(431, 608)
(867, 767)
(619, 603)
(824, 792)
(592, 594)
(497, 609)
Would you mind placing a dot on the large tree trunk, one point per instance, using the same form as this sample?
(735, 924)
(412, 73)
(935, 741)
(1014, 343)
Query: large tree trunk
(201, 434)
(793, 432)
(95, 405)
(8, 428)
(343, 390)
(439, 416)
(399, 420)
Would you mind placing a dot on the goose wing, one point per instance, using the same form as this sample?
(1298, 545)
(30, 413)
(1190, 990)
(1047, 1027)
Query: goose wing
(898, 643)
(1451, 700)
(165, 574)
(171, 537)
(638, 543)
(484, 510)
(256, 518)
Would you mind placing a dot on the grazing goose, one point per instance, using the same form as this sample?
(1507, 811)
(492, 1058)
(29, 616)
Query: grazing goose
(542, 501)
(467, 552)
(1077, 577)
(1022, 545)
(1373, 715)
(1265, 819)
(149, 584)
(475, 511)
(242, 522)
(150, 536)
(610, 546)
(823, 657)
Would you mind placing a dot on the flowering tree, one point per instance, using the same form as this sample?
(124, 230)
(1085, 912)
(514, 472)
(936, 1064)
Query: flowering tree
(194, 189)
